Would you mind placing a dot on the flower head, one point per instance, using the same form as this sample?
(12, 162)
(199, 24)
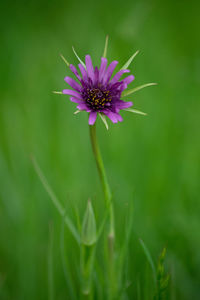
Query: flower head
(96, 92)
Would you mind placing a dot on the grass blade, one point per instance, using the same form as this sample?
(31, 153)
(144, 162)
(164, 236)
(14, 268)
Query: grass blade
(55, 201)
(50, 264)
(62, 251)
(149, 258)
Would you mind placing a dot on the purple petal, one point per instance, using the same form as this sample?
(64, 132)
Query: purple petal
(112, 116)
(109, 71)
(119, 117)
(96, 75)
(122, 87)
(74, 70)
(76, 100)
(83, 72)
(118, 76)
(122, 104)
(102, 68)
(128, 79)
(83, 106)
(92, 117)
(89, 66)
(73, 84)
(72, 93)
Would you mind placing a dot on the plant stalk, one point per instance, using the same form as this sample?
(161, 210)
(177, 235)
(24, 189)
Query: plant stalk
(103, 178)
(109, 206)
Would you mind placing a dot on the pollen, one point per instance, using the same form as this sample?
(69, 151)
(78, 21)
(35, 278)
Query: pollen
(97, 98)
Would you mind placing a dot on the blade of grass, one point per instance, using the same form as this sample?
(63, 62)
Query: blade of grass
(123, 258)
(149, 258)
(66, 273)
(50, 264)
(138, 290)
(55, 200)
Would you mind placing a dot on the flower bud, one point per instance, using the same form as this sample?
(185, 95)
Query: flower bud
(89, 233)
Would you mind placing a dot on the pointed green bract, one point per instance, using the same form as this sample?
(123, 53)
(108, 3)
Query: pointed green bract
(102, 116)
(135, 111)
(78, 57)
(124, 94)
(64, 59)
(76, 112)
(126, 65)
(56, 92)
(89, 232)
(106, 47)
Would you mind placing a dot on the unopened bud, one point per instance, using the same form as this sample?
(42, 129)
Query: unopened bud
(89, 232)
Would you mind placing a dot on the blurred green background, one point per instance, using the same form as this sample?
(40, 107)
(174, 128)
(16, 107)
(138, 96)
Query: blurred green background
(152, 161)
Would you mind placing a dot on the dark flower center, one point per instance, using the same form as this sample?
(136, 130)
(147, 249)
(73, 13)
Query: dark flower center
(97, 99)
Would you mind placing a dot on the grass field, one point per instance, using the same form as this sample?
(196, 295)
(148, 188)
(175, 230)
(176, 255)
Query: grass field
(153, 162)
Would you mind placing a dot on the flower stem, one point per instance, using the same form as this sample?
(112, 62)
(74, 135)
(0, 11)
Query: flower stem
(109, 206)
(103, 178)
(87, 262)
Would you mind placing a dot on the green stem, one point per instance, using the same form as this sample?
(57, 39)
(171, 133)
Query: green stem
(87, 262)
(109, 206)
(103, 178)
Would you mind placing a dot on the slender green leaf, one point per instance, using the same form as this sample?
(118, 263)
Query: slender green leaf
(129, 92)
(55, 201)
(126, 65)
(78, 57)
(149, 258)
(50, 264)
(68, 280)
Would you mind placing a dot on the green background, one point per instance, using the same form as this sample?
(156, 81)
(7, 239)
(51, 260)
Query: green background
(152, 162)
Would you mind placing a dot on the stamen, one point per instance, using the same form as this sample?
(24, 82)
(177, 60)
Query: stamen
(96, 98)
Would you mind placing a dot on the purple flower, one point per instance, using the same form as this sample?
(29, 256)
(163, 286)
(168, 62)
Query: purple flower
(96, 92)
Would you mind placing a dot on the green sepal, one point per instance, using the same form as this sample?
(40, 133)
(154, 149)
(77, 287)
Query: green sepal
(78, 57)
(126, 65)
(103, 118)
(129, 92)
(136, 111)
